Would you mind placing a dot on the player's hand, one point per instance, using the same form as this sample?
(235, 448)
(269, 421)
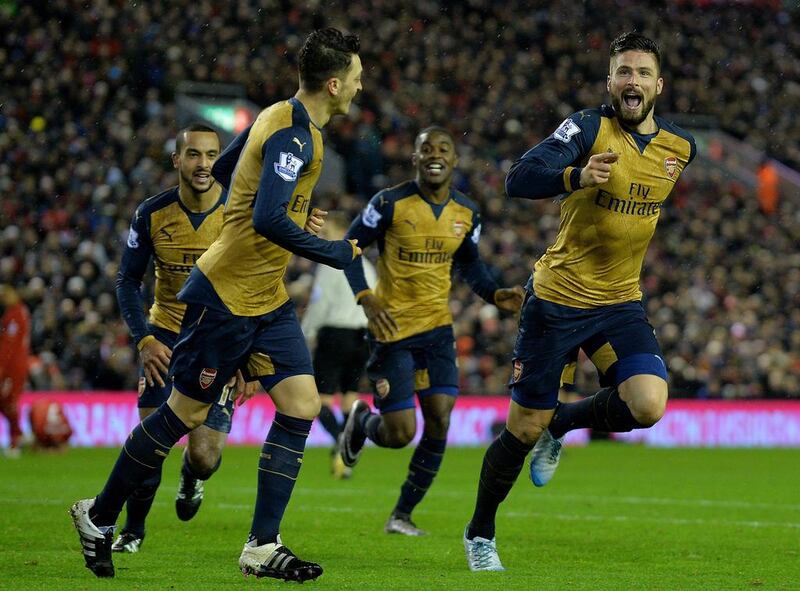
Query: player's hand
(380, 322)
(244, 390)
(315, 221)
(155, 361)
(509, 298)
(356, 249)
(598, 170)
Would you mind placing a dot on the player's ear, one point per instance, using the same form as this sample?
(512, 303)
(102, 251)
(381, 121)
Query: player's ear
(608, 83)
(176, 160)
(659, 85)
(334, 85)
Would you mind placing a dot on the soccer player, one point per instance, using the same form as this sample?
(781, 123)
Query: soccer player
(173, 228)
(337, 328)
(423, 227)
(616, 166)
(239, 315)
(15, 340)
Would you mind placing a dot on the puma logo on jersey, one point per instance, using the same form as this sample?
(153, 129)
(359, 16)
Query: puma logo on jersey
(299, 143)
(167, 234)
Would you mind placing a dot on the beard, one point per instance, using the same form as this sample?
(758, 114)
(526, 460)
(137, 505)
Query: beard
(627, 118)
(190, 181)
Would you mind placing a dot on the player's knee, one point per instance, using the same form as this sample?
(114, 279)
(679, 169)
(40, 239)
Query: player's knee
(306, 407)
(437, 426)
(529, 433)
(399, 435)
(205, 460)
(648, 407)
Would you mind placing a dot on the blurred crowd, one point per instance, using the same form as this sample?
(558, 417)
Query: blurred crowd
(88, 116)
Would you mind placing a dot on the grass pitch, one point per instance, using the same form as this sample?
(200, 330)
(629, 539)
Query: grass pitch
(615, 517)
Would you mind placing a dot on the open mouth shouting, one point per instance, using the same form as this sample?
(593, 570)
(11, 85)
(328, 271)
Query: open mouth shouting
(631, 100)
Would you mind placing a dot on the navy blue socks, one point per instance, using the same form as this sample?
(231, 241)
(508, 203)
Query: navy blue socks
(603, 411)
(422, 470)
(501, 466)
(140, 460)
(278, 468)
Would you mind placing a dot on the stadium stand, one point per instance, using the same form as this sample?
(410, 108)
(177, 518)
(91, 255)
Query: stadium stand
(88, 112)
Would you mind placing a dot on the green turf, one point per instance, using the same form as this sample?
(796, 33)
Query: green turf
(615, 517)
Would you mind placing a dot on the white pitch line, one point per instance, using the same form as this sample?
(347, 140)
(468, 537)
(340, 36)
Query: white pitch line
(560, 516)
(625, 500)
(533, 514)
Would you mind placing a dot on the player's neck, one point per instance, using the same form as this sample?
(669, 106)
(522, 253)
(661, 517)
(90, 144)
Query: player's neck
(317, 106)
(436, 195)
(647, 126)
(198, 202)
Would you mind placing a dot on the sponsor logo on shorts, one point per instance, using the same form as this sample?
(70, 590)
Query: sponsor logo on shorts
(517, 373)
(207, 377)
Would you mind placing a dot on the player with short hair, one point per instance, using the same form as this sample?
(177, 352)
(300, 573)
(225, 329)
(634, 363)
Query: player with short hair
(173, 229)
(616, 166)
(239, 315)
(336, 329)
(423, 228)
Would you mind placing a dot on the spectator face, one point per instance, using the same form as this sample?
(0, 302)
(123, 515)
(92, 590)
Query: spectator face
(195, 160)
(347, 86)
(435, 159)
(633, 84)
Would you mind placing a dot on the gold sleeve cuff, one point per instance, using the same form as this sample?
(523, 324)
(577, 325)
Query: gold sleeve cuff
(363, 293)
(144, 341)
(567, 185)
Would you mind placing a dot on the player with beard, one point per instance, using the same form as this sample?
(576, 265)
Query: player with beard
(614, 167)
(423, 227)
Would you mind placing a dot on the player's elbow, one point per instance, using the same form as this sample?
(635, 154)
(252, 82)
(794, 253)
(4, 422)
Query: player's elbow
(512, 188)
(266, 227)
(516, 185)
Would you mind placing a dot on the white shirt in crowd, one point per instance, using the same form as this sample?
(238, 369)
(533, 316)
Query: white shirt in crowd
(332, 302)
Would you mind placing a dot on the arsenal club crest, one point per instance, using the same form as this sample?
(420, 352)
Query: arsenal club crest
(517, 373)
(671, 165)
(459, 227)
(207, 377)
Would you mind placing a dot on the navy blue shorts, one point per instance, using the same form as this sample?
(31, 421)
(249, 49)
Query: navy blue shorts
(617, 338)
(424, 363)
(219, 415)
(214, 344)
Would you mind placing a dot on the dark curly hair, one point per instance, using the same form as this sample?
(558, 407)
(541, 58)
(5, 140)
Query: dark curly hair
(632, 41)
(325, 53)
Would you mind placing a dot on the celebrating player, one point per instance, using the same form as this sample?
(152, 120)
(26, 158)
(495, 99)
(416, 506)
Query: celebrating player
(423, 227)
(174, 228)
(616, 165)
(239, 315)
